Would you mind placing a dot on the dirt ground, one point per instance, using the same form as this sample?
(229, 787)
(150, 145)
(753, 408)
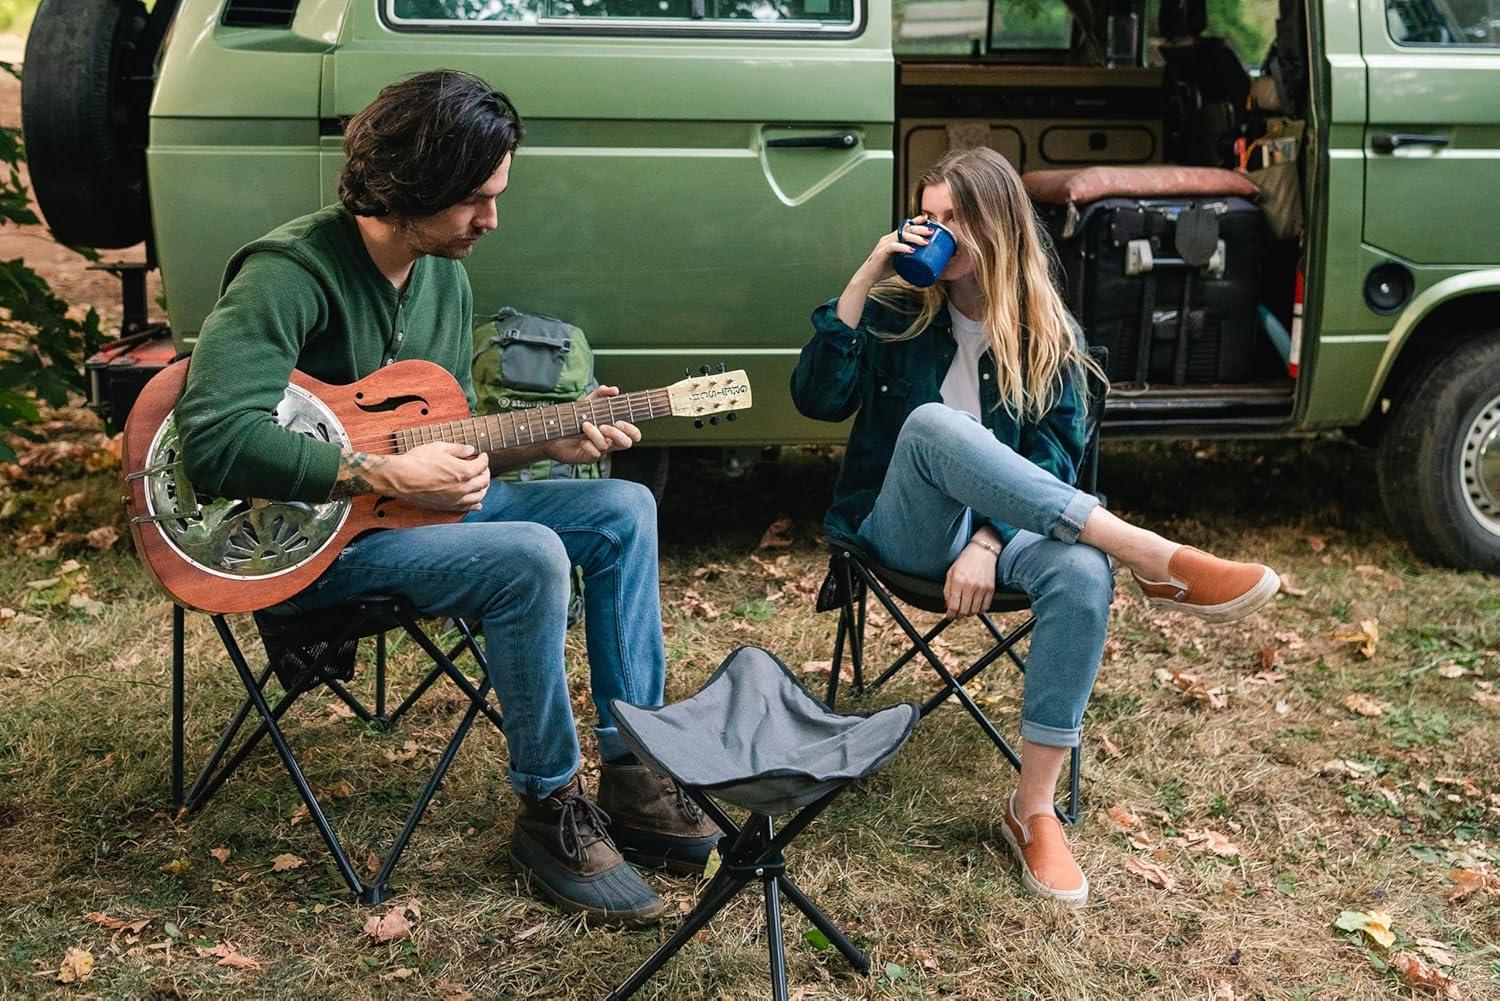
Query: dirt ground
(67, 272)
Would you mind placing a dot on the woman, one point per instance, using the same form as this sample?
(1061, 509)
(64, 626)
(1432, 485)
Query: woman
(968, 433)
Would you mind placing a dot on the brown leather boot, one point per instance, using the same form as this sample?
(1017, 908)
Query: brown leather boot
(654, 822)
(562, 842)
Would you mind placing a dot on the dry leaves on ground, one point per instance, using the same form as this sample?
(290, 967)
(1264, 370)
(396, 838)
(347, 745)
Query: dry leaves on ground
(1193, 687)
(396, 924)
(1206, 840)
(1289, 588)
(1467, 882)
(229, 955)
(1375, 924)
(220, 854)
(1152, 873)
(286, 863)
(1363, 704)
(1409, 966)
(77, 966)
(776, 535)
(1366, 637)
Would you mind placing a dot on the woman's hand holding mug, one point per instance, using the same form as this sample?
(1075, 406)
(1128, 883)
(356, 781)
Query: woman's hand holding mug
(880, 265)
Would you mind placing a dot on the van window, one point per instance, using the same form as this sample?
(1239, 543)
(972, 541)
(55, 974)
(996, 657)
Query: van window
(1443, 22)
(957, 27)
(668, 14)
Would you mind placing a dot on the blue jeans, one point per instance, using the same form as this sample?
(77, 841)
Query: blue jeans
(947, 466)
(507, 567)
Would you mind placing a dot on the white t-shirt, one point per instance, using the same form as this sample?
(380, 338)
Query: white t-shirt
(960, 389)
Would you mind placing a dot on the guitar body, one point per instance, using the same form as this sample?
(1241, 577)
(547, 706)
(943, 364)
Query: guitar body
(229, 555)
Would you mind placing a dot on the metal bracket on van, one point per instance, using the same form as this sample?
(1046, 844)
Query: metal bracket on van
(1215, 266)
(1138, 257)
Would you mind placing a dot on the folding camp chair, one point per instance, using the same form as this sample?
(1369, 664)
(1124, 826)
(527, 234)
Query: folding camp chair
(312, 651)
(855, 572)
(755, 738)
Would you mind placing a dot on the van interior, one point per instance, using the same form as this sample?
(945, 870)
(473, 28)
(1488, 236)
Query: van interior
(1185, 273)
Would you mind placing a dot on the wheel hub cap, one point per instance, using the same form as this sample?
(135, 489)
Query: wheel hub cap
(1479, 466)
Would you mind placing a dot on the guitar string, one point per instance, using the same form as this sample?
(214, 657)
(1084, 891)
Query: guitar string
(650, 397)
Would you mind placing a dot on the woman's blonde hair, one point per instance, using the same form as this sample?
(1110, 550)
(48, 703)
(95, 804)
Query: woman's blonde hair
(1013, 263)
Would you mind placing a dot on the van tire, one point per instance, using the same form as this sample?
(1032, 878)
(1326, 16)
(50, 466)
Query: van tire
(84, 147)
(1427, 448)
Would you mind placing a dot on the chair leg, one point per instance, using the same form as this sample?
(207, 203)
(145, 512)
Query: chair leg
(178, 616)
(1075, 768)
(836, 665)
(775, 945)
(719, 893)
(211, 776)
(380, 677)
(445, 663)
(314, 809)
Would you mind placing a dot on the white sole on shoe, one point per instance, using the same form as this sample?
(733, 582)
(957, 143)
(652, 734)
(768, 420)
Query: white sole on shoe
(1252, 600)
(1073, 898)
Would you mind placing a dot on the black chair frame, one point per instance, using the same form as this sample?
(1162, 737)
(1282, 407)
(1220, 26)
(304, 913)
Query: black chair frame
(366, 618)
(855, 572)
(752, 853)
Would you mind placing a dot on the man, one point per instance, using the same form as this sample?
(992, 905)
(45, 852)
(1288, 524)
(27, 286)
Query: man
(376, 279)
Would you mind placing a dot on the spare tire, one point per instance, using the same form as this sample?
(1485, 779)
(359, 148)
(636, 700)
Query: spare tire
(84, 96)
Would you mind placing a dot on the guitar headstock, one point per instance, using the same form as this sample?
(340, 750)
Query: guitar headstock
(709, 394)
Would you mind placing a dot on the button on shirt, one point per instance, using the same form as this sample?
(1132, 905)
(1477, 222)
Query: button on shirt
(960, 389)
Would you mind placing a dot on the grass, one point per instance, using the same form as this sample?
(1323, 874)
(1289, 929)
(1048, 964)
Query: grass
(1331, 811)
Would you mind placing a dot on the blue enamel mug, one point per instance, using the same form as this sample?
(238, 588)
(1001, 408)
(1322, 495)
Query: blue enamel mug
(924, 265)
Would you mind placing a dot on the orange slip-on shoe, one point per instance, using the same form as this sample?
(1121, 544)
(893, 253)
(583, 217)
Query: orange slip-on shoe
(1047, 866)
(1211, 588)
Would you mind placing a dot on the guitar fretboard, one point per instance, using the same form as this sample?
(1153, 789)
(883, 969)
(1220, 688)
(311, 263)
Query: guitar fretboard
(537, 424)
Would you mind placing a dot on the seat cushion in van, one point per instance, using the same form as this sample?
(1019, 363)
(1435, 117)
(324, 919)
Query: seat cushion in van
(1090, 184)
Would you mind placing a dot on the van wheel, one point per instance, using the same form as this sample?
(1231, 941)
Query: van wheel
(1439, 460)
(83, 113)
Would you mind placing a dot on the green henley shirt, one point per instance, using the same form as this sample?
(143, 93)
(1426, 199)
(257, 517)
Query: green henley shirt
(307, 296)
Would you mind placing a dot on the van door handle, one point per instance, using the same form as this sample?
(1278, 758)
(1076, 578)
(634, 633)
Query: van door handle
(1389, 142)
(837, 140)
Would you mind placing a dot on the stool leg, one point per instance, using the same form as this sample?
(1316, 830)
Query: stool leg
(855, 955)
(838, 658)
(1075, 762)
(719, 893)
(774, 941)
(177, 706)
(380, 676)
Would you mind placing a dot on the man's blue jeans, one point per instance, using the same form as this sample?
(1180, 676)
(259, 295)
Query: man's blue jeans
(945, 468)
(507, 567)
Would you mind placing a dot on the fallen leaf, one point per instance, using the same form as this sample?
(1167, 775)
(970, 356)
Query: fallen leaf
(400, 974)
(391, 927)
(1316, 543)
(454, 992)
(1119, 818)
(1270, 657)
(1110, 750)
(77, 966)
(83, 601)
(1410, 968)
(338, 710)
(1194, 687)
(1367, 637)
(1467, 882)
(1206, 840)
(176, 867)
(1365, 705)
(1375, 924)
(1448, 669)
(103, 537)
(775, 536)
(286, 863)
(1223, 991)
(1150, 872)
(221, 854)
(228, 955)
(1436, 951)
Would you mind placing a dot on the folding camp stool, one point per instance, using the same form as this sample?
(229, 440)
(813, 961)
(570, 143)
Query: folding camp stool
(755, 738)
(312, 651)
(855, 572)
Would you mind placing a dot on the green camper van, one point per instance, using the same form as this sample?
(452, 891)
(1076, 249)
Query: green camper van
(767, 142)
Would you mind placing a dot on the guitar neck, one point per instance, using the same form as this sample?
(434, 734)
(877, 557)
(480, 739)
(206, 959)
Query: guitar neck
(529, 426)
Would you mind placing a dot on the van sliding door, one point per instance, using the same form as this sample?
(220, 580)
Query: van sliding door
(696, 176)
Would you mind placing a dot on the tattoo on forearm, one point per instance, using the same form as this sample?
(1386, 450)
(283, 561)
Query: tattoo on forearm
(352, 467)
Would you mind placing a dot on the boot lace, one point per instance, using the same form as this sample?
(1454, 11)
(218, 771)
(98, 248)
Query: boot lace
(692, 811)
(582, 824)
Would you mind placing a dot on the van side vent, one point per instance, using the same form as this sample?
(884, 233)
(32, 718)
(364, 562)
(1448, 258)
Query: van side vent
(260, 13)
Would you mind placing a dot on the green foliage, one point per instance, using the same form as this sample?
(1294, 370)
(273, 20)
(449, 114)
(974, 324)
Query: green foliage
(16, 15)
(42, 348)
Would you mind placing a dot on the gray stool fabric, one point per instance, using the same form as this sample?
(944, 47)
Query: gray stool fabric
(756, 738)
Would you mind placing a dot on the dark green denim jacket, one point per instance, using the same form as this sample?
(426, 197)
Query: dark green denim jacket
(846, 371)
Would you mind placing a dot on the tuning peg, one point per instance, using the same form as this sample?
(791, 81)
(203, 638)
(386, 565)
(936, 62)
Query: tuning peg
(704, 370)
(698, 424)
(714, 420)
(721, 366)
(730, 416)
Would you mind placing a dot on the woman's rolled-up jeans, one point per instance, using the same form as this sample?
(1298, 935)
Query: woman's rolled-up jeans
(946, 468)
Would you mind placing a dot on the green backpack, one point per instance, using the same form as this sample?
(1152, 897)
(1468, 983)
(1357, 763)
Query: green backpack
(524, 360)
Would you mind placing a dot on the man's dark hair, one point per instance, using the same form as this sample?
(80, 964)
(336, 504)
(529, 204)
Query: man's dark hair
(426, 143)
